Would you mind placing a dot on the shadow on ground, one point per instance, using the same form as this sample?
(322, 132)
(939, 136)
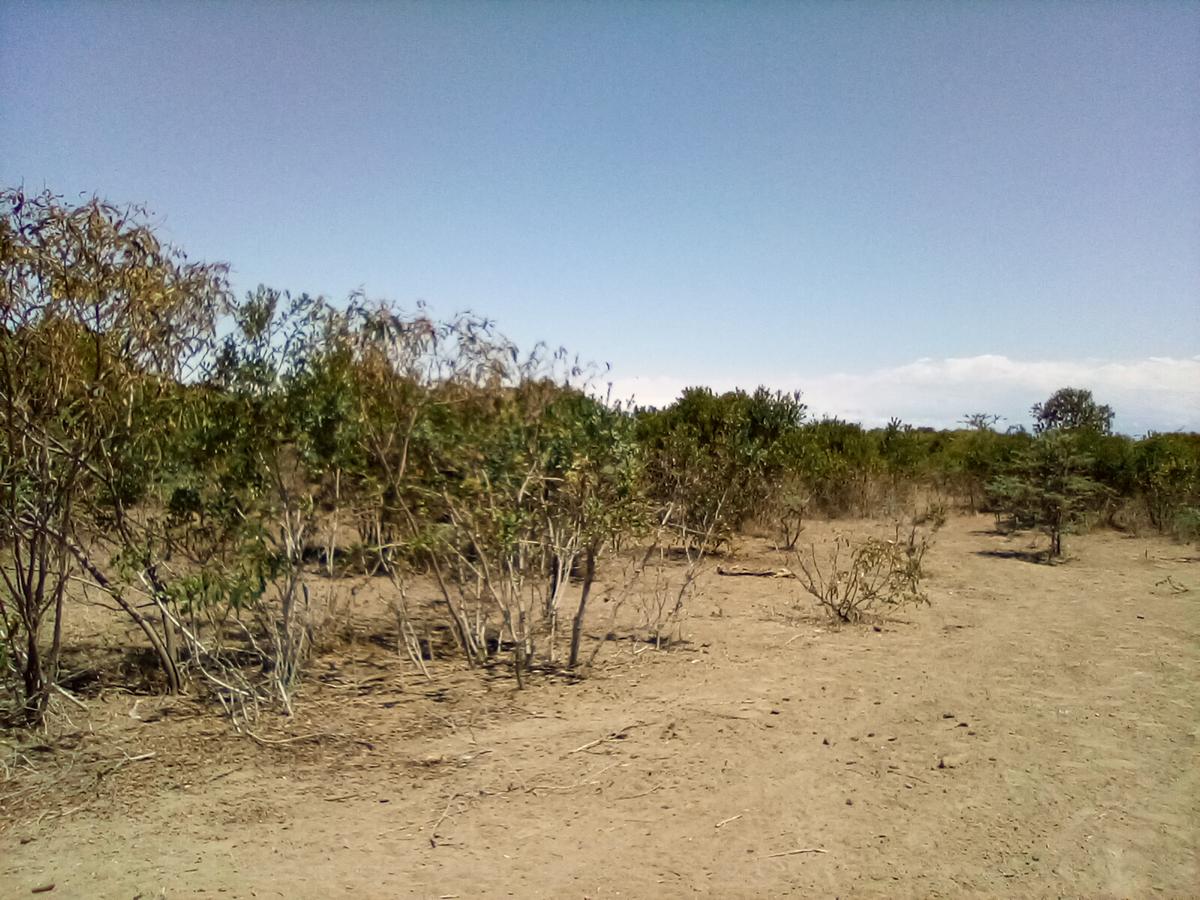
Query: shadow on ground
(1029, 556)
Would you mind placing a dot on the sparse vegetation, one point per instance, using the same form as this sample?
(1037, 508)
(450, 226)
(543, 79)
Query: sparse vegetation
(221, 493)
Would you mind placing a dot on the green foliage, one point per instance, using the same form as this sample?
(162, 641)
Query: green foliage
(1048, 486)
(1166, 471)
(837, 461)
(973, 458)
(712, 460)
(1072, 409)
(1186, 524)
(902, 450)
(595, 468)
(98, 322)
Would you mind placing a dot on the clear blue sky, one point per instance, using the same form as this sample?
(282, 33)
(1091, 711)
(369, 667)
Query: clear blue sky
(726, 192)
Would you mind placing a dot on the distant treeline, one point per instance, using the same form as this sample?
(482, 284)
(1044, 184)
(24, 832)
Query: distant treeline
(765, 447)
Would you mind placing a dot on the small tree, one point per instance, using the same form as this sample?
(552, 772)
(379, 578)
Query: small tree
(265, 418)
(98, 322)
(1048, 486)
(1072, 409)
(980, 421)
(593, 496)
(257, 446)
(537, 480)
(786, 508)
(902, 453)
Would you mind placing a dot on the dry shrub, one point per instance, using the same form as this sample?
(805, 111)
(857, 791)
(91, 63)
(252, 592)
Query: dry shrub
(785, 510)
(934, 515)
(667, 592)
(866, 577)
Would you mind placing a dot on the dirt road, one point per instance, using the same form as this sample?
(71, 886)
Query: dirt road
(1035, 733)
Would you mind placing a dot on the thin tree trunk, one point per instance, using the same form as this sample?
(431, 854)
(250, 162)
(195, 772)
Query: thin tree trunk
(35, 688)
(589, 576)
(169, 666)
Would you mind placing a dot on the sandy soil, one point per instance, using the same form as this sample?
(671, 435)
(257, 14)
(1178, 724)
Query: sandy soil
(1032, 734)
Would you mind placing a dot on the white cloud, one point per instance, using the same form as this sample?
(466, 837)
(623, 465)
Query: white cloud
(1158, 393)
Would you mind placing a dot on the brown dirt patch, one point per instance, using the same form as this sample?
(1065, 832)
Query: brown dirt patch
(1034, 734)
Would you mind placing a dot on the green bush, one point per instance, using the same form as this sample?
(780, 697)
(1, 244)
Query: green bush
(712, 460)
(1048, 486)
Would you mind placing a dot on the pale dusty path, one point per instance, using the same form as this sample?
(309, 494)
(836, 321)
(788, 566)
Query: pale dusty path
(1073, 727)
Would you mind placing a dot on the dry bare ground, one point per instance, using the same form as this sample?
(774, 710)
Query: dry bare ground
(1033, 734)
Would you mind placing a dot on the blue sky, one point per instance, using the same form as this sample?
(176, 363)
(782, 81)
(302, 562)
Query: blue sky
(899, 208)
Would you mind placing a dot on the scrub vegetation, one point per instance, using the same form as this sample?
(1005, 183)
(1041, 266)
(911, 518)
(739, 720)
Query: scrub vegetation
(217, 472)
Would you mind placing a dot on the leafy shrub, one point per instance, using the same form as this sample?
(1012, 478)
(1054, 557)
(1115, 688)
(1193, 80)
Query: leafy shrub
(1049, 487)
(836, 461)
(711, 460)
(1187, 524)
(1166, 471)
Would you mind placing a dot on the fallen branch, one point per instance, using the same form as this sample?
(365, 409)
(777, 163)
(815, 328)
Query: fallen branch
(755, 573)
(907, 775)
(618, 735)
(727, 821)
(586, 781)
(127, 759)
(316, 736)
(71, 697)
(1174, 586)
(62, 814)
(657, 787)
(442, 818)
(794, 852)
